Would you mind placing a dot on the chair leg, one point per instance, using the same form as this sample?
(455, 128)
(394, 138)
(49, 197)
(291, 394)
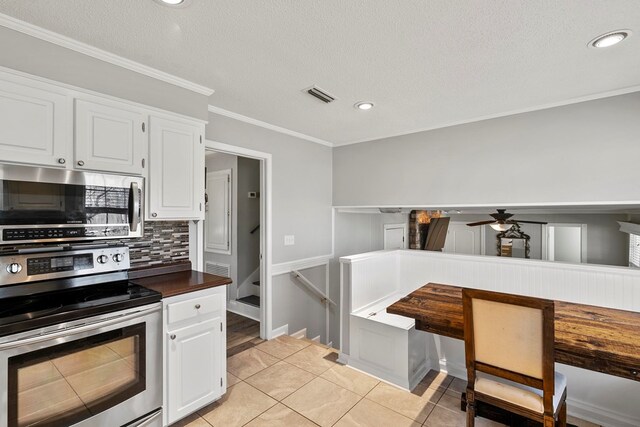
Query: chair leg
(549, 421)
(562, 416)
(471, 408)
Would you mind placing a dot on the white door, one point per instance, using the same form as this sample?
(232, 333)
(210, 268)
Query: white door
(176, 170)
(395, 236)
(109, 137)
(218, 217)
(34, 125)
(462, 239)
(195, 366)
(566, 242)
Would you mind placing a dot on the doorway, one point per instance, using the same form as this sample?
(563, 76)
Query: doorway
(235, 238)
(565, 243)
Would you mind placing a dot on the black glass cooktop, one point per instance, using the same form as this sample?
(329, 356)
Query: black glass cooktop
(22, 313)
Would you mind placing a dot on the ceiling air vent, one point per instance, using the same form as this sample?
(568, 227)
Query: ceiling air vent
(320, 94)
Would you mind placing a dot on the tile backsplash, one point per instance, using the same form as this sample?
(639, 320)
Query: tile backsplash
(162, 242)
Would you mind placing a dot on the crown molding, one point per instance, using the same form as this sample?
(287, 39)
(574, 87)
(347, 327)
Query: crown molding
(577, 100)
(69, 43)
(246, 119)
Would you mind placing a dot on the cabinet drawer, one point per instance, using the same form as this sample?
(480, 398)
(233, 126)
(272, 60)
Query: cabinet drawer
(193, 308)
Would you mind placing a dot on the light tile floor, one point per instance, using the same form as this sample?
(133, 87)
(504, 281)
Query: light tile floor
(290, 382)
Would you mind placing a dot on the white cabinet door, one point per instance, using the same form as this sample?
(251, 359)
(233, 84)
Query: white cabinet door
(195, 363)
(176, 170)
(34, 125)
(109, 137)
(218, 218)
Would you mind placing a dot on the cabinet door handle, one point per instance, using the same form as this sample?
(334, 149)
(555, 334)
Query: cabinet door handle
(197, 306)
(143, 127)
(154, 214)
(172, 336)
(62, 161)
(80, 163)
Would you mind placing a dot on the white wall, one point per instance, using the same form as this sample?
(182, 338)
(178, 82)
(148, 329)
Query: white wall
(217, 162)
(584, 152)
(34, 56)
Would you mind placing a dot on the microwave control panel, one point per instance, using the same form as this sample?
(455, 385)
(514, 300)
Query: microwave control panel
(47, 234)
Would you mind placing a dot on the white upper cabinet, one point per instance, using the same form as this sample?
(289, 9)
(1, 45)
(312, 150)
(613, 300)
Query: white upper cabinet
(34, 125)
(175, 187)
(109, 137)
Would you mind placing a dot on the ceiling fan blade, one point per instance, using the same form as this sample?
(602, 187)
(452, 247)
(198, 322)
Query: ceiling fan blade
(529, 222)
(473, 224)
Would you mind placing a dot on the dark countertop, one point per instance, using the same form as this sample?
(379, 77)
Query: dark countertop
(175, 279)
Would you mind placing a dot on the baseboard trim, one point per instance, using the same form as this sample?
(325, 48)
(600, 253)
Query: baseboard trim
(277, 332)
(302, 333)
(245, 310)
(393, 380)
(316, 339)
(599, 415)
(457, 370)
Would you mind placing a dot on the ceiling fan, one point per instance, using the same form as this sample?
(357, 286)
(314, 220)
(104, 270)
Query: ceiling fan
(502, 221)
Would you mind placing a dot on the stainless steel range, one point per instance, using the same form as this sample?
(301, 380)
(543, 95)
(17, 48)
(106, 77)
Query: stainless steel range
(79, 344)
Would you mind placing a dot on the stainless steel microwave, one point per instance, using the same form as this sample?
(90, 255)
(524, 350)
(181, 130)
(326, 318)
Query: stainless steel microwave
(40, 205)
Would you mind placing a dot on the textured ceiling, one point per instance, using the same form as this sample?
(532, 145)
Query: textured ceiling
(424, 63)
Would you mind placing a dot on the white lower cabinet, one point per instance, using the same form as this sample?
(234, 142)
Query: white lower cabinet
(195, 351)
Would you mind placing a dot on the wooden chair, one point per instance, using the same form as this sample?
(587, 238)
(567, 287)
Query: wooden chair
(509, 342)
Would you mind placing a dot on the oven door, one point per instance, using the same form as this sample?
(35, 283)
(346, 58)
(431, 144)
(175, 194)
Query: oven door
(100, 371)
(45, 205)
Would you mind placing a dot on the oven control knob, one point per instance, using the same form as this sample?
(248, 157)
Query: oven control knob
(14, 268)
(118, 257)
(102, 259)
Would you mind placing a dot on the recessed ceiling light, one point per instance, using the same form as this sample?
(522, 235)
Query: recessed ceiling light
(610, 38)
(364, 105)
(174, 3)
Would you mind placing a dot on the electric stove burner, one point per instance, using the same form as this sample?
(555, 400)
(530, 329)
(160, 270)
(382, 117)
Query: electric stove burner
(22, 313)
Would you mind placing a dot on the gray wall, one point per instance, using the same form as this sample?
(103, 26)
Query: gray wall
(247, 217)
(301, 185)
(584, 152)
(34, 56)
(296, 306)
(605, 243)
(301, 202)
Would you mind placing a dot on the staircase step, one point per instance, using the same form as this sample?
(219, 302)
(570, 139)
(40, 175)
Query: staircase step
(251, 300)
(257, 283)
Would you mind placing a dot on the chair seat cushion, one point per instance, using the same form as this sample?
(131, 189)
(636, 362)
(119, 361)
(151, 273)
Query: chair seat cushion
(518, 394)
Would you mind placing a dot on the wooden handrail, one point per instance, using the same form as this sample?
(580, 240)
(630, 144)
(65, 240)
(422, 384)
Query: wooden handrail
(324, 298)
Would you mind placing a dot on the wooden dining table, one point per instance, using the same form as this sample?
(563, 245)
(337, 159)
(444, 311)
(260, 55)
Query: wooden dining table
(595, 338)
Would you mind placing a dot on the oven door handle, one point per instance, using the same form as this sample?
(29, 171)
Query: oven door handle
(84, 327)
(134, 208)
(146, 420)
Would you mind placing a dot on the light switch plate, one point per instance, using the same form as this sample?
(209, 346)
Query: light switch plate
(289, 240)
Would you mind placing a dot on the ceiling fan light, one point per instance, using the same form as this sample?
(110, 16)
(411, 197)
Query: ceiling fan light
(501, 227)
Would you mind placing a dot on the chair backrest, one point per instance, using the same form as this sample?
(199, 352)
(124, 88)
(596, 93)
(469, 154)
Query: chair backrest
(510, 336)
